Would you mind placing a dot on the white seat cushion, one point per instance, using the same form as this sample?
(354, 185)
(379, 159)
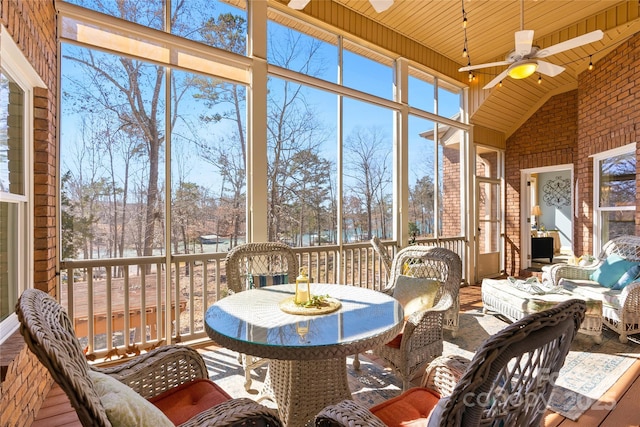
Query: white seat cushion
(593, 290)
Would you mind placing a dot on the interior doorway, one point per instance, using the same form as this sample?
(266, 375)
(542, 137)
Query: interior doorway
(547, 213)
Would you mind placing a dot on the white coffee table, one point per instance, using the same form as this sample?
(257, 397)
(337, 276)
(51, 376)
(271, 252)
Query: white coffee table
(500, 296)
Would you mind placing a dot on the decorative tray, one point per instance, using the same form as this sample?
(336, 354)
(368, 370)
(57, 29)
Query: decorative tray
(328, 305)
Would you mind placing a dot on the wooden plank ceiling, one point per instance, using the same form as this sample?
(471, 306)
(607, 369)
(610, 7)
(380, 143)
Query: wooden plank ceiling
(437, 25)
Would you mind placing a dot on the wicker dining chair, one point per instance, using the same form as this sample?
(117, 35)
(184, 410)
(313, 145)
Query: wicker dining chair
(449, 272)
(382, 252)
(254, 265)
(386, 259)
(422, 336)
(169, 384)
(507, 383)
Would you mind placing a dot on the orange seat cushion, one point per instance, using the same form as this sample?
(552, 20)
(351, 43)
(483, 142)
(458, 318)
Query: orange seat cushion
(395, 342)
(411, 409)
(189, 399)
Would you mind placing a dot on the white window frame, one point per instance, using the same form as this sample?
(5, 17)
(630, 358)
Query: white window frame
(597, 210)
(21, 72)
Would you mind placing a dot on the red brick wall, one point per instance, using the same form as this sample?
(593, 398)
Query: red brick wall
(451, 224)
(547, 138)
(603, 113)
(24, 388)
(32, 25)
(609, 117)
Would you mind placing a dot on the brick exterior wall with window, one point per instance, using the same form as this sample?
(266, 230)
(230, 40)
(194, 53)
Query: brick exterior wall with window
(32, 25)
(603, 113)
(609, 117)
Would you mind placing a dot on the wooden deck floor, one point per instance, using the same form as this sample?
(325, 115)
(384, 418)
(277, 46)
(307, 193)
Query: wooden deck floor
(56, 410)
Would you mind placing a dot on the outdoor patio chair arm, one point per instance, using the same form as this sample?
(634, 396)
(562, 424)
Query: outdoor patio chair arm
(426, 319)
(630, 300)
(159, 370)
(347, 413)
(443, 373)
(235, 413)
(565, 271)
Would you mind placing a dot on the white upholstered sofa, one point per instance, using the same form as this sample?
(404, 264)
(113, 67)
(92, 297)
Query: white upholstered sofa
(620, 307)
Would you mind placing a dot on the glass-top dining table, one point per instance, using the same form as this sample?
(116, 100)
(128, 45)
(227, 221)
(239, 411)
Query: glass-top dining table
(308, 351)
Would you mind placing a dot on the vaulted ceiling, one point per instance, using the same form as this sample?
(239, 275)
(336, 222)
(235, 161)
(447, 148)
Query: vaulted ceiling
(437, 25)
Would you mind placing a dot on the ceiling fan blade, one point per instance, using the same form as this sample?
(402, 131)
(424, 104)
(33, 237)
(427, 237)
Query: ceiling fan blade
(381, 5)
(524, 41)
(496, 80)
(298, 4)
(549, 69)
(489, 64)
(591, 37)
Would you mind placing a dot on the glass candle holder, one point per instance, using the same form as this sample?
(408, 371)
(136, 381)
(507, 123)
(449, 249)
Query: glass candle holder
(303, 290)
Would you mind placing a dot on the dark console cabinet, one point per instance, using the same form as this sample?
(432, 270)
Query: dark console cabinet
(542, 247)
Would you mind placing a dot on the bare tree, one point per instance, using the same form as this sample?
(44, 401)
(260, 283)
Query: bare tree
(227, 155)
(367, 166)
(226, 159)
(292, 124)
(310, 187)
(421, 198)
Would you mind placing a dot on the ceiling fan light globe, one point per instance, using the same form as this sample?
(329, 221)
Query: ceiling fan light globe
(523, 70)
(298, 4)
(381, 5)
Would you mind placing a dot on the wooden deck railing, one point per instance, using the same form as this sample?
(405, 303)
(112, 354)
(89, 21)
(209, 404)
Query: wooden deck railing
(99, 293)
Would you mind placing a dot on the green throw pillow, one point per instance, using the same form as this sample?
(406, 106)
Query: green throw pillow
(125, 407)
(611, 270)
(415, 293)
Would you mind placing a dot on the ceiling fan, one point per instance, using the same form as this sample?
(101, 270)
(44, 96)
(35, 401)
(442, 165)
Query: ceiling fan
(524, 59)
(378, 5)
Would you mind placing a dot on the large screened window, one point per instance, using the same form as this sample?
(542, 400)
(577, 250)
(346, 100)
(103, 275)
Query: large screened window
(112, 134)
(434, 95)
(367, 171)
(449, 101)
(213, 22)
(614, 194)
(421, 92)
(301, 175)
(367, 71)
(208, 164)
(160, 152)
(127, 120)
(314, 53)
(435, 189)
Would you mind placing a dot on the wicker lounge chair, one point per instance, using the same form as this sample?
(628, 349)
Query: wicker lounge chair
(421, 339)
(621, 307)
(165, 375)
(253, 265)
(508, 382)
